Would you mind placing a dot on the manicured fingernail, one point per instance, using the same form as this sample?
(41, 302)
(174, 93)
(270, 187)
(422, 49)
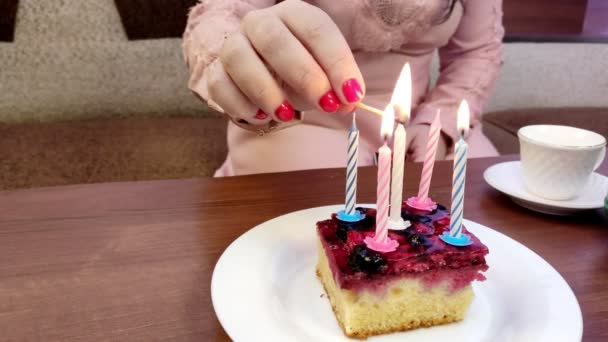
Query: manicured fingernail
(260, 115)
(285, 112)
(352, 90)
(330, 102)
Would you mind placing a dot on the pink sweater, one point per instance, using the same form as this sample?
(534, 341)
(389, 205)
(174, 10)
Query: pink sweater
(383, 34)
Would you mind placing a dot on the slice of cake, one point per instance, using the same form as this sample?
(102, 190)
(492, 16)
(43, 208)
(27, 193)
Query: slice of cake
(425, 282)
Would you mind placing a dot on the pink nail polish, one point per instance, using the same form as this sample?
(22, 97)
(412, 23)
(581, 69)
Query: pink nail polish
(330, 102)
(260, 115)
(285, 112)
(352, 90)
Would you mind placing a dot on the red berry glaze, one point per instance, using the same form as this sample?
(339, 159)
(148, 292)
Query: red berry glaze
(421, 253)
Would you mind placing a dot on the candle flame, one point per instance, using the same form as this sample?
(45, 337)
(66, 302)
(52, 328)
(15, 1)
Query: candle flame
(463, 117)
(402, 95)
(386, 129)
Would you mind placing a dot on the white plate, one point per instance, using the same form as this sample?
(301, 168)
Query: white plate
(264, 288)
(507, 178)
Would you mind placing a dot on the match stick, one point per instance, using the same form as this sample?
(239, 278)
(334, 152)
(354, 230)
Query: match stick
(370, 109)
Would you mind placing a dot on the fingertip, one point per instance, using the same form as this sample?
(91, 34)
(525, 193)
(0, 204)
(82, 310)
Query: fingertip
(330, 102)
(347, 108)
(285, 112)
(352, 90)
(260, 115)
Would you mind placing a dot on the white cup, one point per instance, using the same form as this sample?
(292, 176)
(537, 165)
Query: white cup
(557, 161)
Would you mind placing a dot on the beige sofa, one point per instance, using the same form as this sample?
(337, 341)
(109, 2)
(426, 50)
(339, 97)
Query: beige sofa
(81, 103)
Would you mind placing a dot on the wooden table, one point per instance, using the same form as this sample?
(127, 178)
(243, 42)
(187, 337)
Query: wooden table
(133, 261)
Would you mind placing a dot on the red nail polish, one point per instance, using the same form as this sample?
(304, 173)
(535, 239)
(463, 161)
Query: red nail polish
(285, 112)
(260, 115)
(352, 90)
(330, 102)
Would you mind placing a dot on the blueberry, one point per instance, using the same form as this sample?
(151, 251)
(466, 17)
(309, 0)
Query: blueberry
(425, 229)
(362, 210)
(409, 231)
(341, 233)
(423, 219)
(418, 241)
(370, 218)
(361, 259)
(406, 215)
(343, 227)
(367, 223)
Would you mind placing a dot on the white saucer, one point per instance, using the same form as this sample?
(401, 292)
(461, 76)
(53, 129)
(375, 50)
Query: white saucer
(507, 178)
(264, 288)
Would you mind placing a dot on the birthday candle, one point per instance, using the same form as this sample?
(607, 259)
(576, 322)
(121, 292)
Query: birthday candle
(351, 168)
(382, 192)
(429, 159)
(401, 102)
(459, 175)
(397, 175)
(381, 242)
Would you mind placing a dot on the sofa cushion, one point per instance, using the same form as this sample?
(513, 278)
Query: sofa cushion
(107, 150)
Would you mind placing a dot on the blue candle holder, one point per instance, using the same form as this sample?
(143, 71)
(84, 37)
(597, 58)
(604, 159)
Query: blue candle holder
(461, 241)
(355, 217)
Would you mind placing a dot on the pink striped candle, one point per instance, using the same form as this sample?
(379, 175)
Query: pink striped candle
(429, 158)
(380, 242)
(423, 201)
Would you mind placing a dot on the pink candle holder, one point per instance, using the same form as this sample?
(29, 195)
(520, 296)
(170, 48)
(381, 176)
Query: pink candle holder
(385, 245)
(426, 204)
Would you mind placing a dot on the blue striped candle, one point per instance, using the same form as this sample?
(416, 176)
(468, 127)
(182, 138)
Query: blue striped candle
(455, 236)
(458, 184)
(351, 169)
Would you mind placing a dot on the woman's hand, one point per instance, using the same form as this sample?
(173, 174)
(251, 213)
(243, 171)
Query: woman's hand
(285, 56)
(417, 137)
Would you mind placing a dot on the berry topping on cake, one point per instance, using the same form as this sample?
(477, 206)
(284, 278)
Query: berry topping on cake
(418, 241)
(424, 229)
(420, 249)
(354, 238)
(417, 218)
(362, 259)
(343, 227)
